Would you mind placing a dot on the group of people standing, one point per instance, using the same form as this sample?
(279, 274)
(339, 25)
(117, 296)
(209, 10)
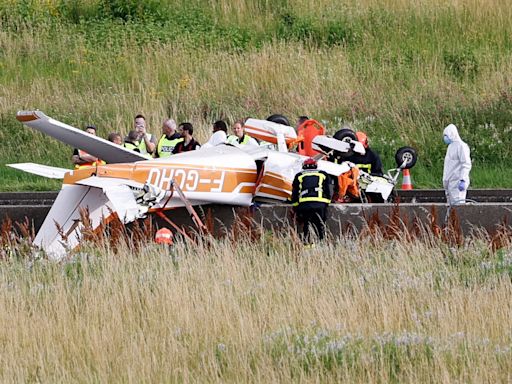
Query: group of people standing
(174, 139)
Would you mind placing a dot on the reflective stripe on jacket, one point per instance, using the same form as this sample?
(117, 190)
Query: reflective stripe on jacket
(311, 186)
(232, 139)
(365, 167)
(369, 162)
(165, 145)
(132, 146)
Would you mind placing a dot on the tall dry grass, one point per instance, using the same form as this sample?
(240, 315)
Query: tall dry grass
(201, 87)
(261, 311)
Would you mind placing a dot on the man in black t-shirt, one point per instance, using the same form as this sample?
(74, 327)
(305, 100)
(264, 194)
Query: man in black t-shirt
(186, 130)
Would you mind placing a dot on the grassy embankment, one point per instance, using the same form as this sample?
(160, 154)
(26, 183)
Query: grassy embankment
(355, 311)
(367, 310)
(397, 70)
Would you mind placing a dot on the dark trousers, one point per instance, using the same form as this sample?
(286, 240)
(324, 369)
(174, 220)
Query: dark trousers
(314, 216)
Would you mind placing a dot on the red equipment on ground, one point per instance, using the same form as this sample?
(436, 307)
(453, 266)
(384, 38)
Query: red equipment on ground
(163, 236)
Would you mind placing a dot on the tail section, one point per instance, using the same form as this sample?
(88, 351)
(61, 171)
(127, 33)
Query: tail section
(41, 170)
(102, 198)
(271, 132)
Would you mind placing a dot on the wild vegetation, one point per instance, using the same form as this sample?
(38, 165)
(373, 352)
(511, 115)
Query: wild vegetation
(376, 308)
(399, 70)
(380, 307)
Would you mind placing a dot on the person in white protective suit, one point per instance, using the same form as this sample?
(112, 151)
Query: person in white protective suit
(219, 135)
(457, 164)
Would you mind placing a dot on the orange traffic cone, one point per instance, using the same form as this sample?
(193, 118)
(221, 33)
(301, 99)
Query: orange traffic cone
(163, 236)
(406, 180)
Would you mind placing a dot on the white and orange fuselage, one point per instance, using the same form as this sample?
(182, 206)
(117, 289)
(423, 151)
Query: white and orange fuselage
(220, 175)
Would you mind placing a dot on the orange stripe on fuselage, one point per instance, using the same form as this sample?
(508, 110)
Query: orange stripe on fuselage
(271, 191)
(276, 181)
(78, 174)
(190, 178)
(269, 137)
(247, 189)
(279, 176)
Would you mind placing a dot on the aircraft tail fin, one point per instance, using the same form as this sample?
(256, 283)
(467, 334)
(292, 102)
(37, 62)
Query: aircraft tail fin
(41, 170)
(282, 135)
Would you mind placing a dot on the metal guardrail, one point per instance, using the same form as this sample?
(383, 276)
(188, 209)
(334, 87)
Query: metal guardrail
(34, 206)
(409, 196)
(28, 198)
(438, 196)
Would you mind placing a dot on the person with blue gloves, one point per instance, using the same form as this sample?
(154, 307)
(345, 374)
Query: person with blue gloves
(457, 164)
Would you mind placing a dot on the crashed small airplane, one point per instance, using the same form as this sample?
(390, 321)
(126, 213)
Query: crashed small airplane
(130, 186)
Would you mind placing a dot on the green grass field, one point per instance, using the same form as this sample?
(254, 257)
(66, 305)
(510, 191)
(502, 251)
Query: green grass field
(264, 310)
(398, 70)
(369, 310)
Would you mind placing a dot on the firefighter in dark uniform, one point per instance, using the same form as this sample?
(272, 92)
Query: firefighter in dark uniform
(369, 162)
(312, 192)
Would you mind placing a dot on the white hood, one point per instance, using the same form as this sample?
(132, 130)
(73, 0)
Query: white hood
(452, 132)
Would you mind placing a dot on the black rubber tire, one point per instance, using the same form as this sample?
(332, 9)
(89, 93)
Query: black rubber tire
(406, 153)
(279, 119)
(345, 133)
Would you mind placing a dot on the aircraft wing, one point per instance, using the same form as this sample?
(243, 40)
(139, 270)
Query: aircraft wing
(108, 182)
(96, 146)
(41, 170)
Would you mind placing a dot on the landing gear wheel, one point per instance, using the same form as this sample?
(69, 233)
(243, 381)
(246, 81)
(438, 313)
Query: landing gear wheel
(344, 134)
(279, 119)
(407, 155)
